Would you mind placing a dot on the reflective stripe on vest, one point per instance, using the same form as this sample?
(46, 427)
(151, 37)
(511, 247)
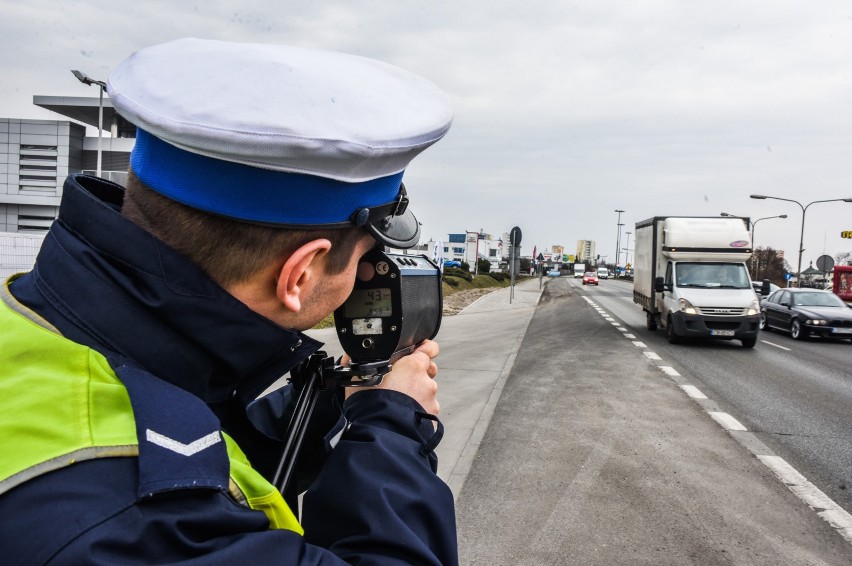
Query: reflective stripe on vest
(63, 404)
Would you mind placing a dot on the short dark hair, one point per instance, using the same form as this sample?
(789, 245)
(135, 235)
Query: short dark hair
(229, 251)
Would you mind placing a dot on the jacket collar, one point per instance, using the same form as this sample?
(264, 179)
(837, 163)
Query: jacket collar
(104, 282)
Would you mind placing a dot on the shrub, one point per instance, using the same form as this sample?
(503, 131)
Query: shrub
(460, 273)
(497, 276)
(451, 281)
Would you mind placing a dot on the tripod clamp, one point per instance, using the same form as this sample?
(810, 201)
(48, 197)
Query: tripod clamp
(321, 374)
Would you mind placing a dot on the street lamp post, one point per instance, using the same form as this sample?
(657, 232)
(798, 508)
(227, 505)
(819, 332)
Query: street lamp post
(627, 249)
(86, 80)
(752, 225)
(802, 234)
(618, 240)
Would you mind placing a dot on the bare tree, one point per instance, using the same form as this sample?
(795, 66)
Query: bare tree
(768, 264)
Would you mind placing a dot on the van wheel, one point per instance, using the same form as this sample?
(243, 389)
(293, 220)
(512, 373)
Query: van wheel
(748, 342)
(671, 335)
(650, 321)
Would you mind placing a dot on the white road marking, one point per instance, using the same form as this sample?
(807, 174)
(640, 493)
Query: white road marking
(639, 344)
(776, 345)
(727, 421)
(652, 356)
(825, 507)
(630, 336)
(668, 370)
(693, 392)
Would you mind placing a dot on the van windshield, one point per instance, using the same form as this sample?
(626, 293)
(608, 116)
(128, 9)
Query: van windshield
(712, 275)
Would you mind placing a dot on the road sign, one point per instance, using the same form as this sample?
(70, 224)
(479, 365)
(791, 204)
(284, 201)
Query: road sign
(825, 263)
(788, 276)
(515, 236)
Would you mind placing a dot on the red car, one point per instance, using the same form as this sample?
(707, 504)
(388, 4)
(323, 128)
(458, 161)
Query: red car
(590, 278)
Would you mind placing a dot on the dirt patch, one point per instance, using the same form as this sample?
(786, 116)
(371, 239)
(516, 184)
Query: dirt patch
(455, 303)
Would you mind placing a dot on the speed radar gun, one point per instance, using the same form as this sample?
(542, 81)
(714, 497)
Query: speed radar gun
(395, 305)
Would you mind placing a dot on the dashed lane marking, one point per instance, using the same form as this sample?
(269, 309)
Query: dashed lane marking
(727, 421)
(823, 505)
(693, 392)
(776, 345)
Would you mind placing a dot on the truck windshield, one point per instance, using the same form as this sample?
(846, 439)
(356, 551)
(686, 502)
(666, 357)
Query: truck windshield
(721, 275)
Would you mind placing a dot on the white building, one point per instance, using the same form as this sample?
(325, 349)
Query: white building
(466, 246)
(37, 155)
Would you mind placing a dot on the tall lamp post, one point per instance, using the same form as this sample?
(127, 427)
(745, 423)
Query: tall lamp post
(802, 234)
(86, 80)
(627, 250)
(618, 240)
(752, 225)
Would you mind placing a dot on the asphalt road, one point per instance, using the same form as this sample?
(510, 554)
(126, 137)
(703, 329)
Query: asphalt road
(594, 455)
(796, 397)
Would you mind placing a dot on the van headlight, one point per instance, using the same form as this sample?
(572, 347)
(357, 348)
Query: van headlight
(754, 308)
(686, 307)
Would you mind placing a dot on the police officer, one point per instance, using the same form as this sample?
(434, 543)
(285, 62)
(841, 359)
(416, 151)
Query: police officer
(131, 356)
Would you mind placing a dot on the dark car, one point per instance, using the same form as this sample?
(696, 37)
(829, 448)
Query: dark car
(590, 278)
(758, 288)
(806, 312)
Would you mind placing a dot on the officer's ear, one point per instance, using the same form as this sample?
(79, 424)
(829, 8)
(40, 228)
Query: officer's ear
(301, 272)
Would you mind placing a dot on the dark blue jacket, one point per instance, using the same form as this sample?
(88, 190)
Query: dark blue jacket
(105, 283)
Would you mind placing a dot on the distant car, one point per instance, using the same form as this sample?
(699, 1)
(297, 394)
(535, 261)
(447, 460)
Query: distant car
(758, 288)
(806, 312)
(553, 273)
(452, 263)
(590, 278)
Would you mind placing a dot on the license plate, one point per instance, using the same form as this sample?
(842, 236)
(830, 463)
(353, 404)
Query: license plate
(721, 333)
(842, 331)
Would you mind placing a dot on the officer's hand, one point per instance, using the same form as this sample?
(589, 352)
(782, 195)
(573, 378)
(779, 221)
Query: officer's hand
(414, 375)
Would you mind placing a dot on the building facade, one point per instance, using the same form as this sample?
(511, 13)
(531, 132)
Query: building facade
(37, 155)
(586, 251)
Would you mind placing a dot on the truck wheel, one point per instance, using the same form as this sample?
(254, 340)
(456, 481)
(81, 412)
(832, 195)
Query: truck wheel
(796, 330)
(671, 335)
(650, 321)
(748, 342)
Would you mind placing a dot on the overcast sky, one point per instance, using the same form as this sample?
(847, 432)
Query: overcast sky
(564, 111)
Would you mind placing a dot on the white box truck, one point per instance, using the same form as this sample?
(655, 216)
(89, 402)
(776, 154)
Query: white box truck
(579, 269)
(690, 277)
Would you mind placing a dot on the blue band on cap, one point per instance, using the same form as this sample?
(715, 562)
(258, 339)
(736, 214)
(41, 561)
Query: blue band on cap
(250, 193)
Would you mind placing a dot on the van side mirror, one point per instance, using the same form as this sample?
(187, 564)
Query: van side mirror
(764, 289)
(659, 285)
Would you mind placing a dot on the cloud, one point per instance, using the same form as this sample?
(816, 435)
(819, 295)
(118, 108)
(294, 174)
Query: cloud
(564, 111)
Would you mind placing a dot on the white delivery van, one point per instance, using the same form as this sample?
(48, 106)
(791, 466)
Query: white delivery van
(603, 273)
(690, 277)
